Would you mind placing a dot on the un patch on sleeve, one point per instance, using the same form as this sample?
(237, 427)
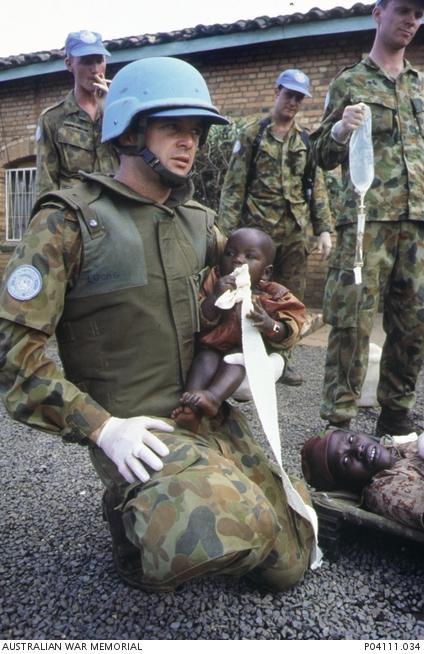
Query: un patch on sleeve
(24, 283)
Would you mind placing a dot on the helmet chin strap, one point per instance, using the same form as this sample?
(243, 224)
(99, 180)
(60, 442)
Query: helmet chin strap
(167, 176)
(150, 159)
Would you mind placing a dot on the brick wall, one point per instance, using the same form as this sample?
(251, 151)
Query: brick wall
(21, 102)
(241, 83)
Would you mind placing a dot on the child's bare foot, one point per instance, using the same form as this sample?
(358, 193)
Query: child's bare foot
(203, 401)
(195, 405)
(186, 418)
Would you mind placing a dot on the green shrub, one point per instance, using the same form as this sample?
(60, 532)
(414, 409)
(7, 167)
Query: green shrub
(212, 162)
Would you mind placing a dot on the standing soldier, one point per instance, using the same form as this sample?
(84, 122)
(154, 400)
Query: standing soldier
(68, 134)
(271, 184)
(394, 234)
(113, 267)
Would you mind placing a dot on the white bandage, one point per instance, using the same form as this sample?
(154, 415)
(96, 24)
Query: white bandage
(260, 376)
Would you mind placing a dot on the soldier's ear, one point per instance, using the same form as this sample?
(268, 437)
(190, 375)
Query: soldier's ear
(376, 13)
(128, 138)
(68, 64)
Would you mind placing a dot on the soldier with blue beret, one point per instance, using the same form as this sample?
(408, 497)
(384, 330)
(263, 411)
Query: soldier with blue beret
(68, 134)
(272, 185)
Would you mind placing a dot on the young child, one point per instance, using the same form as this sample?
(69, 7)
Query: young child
(277, 314)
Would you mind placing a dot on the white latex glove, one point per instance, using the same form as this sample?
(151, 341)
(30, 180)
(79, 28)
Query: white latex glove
(420, 445)
(243, 392)
(324, 245)
(128, 441)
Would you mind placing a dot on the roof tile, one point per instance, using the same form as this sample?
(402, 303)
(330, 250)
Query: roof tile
(186, 34)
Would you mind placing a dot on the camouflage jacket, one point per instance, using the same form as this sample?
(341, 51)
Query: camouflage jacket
(397, 109)
(274, 193)
(69, 141)
(38, 284)
(398, 493)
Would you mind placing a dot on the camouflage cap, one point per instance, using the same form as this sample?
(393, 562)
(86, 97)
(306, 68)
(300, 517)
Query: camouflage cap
(315, 462)
(83, 43)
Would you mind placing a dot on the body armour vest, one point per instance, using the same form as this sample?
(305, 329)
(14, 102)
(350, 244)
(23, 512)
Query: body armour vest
(126, 335)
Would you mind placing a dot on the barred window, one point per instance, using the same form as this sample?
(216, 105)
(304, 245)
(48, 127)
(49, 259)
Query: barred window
(20, 196)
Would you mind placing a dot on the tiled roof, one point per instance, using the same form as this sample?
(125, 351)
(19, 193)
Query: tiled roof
(200, 31)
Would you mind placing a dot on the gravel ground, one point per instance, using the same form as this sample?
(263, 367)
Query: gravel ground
(58, 581)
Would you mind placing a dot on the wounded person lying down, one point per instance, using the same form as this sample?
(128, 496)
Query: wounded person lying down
(390, 476)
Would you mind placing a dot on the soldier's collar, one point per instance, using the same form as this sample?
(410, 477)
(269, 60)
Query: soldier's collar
(372, 64)
(70, 104)
(409, 67)
(177, 196)
(181, 195)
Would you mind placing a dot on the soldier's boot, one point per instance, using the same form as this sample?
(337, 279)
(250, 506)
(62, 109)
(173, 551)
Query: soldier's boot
(394, 423)
(126, 556)
(291, 377)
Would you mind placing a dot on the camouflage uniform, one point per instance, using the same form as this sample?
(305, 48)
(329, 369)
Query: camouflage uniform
(69, 141)
(272, 199)
(393, 243)
(398, 492)
(217, 506)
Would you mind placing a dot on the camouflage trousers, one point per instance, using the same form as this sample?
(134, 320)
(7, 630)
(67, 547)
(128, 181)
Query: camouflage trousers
(393, 266)
(217, 507)
(291, 258)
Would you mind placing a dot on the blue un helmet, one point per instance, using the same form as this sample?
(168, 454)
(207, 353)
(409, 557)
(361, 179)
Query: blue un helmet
(156, 87)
